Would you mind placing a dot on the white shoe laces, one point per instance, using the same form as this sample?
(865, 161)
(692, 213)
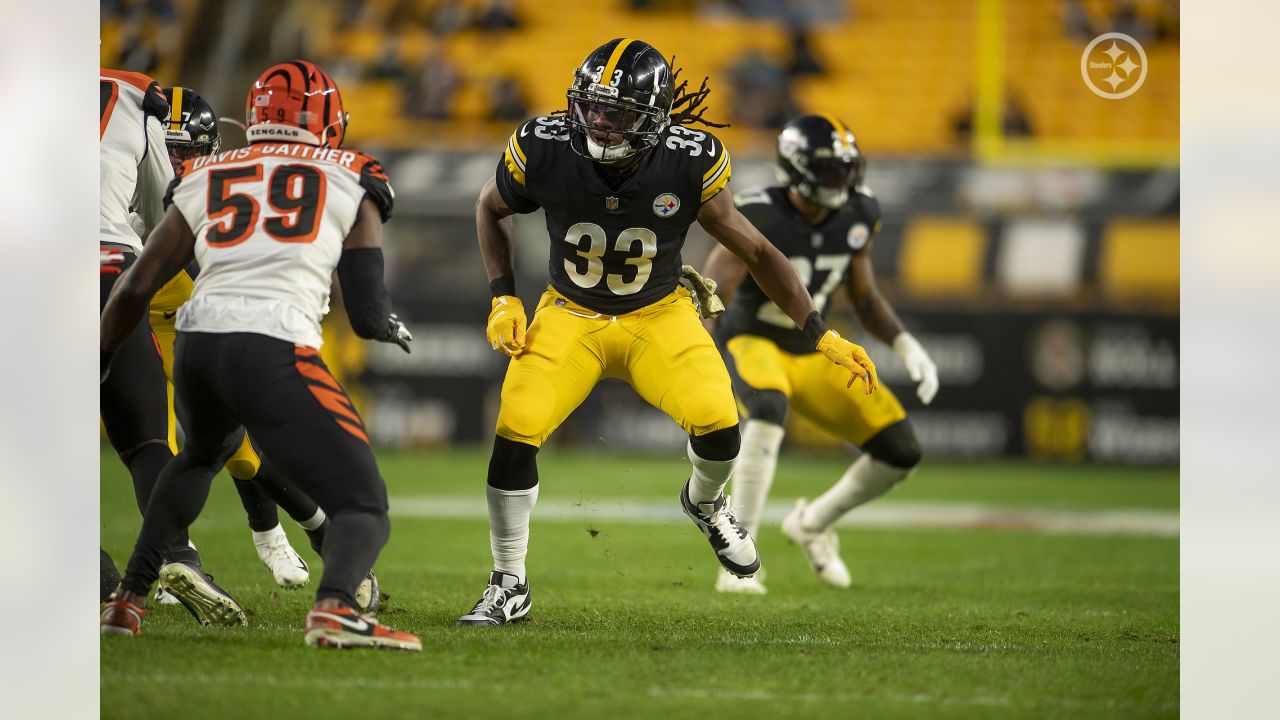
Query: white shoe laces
(278, 551)
(494, 597)
(824, 546)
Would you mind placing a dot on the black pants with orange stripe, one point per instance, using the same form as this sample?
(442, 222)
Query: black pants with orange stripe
(300, 417)
(133, 400)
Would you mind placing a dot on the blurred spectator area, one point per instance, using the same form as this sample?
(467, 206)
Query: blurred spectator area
(148, 36)
(900, 72)
(451, 73)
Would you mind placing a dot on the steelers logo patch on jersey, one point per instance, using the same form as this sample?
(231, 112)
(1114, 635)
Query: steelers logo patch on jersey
(666, 205)
(858, 235)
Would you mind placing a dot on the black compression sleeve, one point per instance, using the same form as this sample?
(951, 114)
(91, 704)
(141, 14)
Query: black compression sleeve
(814, 327)
(363, 291)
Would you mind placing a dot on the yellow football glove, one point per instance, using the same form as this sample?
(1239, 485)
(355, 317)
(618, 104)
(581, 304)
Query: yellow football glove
(505, 329)
(851, 356)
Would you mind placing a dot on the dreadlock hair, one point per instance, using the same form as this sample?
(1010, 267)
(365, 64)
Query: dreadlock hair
(686, 108)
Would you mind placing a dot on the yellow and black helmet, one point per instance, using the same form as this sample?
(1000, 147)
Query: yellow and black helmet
(192, 127)
(819, 158)
(620, 100)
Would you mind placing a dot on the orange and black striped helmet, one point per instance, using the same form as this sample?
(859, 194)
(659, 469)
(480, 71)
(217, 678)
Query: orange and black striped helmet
(295, 101)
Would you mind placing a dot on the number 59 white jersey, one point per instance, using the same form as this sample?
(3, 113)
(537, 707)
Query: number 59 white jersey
(269, 222)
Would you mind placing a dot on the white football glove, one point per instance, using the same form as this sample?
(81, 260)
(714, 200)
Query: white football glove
(920, 367)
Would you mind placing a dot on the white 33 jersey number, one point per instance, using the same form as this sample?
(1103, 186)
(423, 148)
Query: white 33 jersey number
(835, 267)
(682, 138)
(594, 255)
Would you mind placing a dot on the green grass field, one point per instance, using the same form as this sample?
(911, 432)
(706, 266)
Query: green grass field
(959, 622)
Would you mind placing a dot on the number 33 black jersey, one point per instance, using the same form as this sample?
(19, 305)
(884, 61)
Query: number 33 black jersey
(821, 255)
(613, 251)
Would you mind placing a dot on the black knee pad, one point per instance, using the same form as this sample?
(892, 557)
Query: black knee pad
(720, 445)
(766, 405)
(513, 465)
(896, 445)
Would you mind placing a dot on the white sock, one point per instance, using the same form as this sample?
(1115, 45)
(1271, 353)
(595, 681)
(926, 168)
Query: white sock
(509, 512)
(866, 479)
(708, 479)
(314, 521)
(753, 471)
(260, 538)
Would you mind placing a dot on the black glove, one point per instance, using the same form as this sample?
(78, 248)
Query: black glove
(395, 332)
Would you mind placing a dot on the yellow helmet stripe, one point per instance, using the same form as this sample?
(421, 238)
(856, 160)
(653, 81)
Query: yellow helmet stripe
(607, 75)
(841, 130)
(175, 111)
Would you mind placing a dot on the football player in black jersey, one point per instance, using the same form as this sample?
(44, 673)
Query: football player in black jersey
(822, 219)
(620, 177)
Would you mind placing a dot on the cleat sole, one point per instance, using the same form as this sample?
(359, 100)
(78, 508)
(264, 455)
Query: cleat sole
(205, 605)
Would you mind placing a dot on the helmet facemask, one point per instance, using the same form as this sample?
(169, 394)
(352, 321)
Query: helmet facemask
(822, 175)
(611, 131)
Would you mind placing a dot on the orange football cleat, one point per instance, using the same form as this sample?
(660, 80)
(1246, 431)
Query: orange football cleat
(121, 617)
(346, 628)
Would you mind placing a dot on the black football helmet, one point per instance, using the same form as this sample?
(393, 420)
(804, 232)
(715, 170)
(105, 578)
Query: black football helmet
(620, 101)
(819, 159)
(191, 129)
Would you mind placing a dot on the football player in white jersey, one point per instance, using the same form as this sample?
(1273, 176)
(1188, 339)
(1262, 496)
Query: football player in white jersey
(191, 131)
(268, 225)
(134, 170)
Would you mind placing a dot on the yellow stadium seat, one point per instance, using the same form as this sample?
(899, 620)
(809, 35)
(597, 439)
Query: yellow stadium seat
(1140, 260)
(942, 257)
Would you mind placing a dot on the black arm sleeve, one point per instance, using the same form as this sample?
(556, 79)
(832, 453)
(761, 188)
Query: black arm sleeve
(363, 291)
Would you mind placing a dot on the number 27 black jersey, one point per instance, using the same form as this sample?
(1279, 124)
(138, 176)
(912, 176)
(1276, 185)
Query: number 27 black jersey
(613, 251)
(821, 255)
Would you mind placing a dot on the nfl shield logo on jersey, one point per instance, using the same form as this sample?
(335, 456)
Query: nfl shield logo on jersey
(666, 205)
(611, 203)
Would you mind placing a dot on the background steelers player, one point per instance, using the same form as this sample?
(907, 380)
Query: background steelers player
(825, 230)
(621, 178)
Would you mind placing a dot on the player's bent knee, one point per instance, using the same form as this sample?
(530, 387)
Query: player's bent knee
(766, 405)
(721, 445)
(244, 464)
(524, 420)
(126, 455)
(896, 445)
(513, 465)
(242, 468)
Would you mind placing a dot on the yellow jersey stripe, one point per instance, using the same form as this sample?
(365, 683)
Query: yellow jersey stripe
(607, 75)
(175, 111)
(515, 143)
(720, 181)
(724, 158)
(514, 166)
(516, 153)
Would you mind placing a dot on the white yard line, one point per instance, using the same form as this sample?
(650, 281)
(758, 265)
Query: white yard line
(947, 516)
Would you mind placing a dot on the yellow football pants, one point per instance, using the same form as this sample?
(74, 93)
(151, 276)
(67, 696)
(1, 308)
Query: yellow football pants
(244, 464)
(815, 388)
(661, 350)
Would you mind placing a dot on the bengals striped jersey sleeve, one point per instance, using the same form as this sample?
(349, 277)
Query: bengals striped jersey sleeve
(133, 161)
